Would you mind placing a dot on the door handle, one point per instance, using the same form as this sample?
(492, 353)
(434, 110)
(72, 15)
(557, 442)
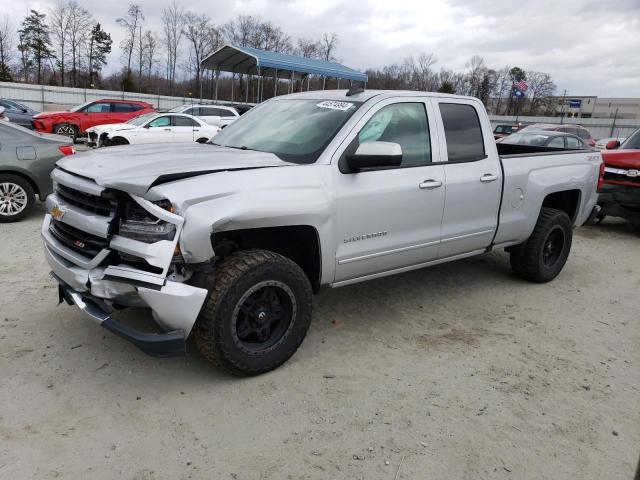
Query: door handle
(167, 129)
(488, 177)
(430, 184)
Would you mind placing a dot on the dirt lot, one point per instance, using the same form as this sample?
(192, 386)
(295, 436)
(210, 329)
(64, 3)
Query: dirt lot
(457, 372)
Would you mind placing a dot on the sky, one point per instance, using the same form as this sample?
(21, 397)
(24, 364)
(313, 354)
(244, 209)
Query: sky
(590, 47)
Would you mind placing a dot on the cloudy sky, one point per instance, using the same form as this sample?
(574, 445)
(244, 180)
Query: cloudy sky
(590, 47)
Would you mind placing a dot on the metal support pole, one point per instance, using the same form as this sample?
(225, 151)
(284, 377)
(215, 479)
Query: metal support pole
(323, 82)
(246, 97)
(308, 82)
(275, 84)
(217, 75)
(291, 80)
(338, 84)
(232, 81)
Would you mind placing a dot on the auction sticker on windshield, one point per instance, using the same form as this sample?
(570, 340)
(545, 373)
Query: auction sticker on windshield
(344, 106)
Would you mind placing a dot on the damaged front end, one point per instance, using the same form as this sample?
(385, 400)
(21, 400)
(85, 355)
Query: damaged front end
(108, 249)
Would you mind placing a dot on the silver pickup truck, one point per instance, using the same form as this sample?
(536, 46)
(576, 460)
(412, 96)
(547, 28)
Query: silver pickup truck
(227, 242)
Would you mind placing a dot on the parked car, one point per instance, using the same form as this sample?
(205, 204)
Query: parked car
(602, 143)
(502, 131)
(226, 242)
(158, 128)
(219, 115)
(545, 138)
(3, 117)
(76, 121)
(17, 112)
(576, 130)
(619, 185)
(26, 161)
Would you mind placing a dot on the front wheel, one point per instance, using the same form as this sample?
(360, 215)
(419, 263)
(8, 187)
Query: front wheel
(542, 257)
(257, 313)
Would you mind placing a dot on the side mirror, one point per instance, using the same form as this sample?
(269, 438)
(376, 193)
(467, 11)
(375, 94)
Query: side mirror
(147, 126)
(24, 110)
(375, 155)
(612, 144)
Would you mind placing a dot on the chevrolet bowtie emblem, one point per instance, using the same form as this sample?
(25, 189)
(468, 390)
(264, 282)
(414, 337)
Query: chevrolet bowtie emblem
(57, 213)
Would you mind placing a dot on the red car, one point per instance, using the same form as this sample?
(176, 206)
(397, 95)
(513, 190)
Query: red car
(75, 122)
(576, 130)
(619, 184)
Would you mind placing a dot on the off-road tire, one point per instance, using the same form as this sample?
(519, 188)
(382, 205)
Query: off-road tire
(234, 277)
(527, 259)
(67, 130)
(8, 179)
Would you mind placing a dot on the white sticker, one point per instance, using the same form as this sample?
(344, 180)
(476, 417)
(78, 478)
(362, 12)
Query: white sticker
(344, 106)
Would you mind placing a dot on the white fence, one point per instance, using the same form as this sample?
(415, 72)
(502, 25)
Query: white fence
(599, 127)
(47, 98)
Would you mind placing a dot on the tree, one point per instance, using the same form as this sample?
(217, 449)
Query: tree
(327, 46)
(172, 18)
(502, 87)
(99, 47)
(307, 48)
(150, 48)
(60, 31)
(541, 88)
(515, 75)
(34, 40)
(197, 31)
(421, 76)
(79, 31)
(6, 49)
(131, 23)
(447, 87)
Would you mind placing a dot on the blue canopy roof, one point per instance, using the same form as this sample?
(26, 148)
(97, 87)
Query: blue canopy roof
(257, 62)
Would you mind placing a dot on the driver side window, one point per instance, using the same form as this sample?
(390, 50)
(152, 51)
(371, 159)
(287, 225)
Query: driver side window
(160, 122)
(405, 124)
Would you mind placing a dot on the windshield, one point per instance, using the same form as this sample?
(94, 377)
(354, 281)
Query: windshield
(526, 139)
(633, 142)
(505, 129)
(137, 121)
(296, 130)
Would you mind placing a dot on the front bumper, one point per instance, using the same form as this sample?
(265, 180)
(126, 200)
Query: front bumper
(620, 201)
(97, 282)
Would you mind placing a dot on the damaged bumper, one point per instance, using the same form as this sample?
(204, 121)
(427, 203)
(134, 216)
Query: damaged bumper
(85, 257)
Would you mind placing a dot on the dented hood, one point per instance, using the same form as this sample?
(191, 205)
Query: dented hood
(135, 168)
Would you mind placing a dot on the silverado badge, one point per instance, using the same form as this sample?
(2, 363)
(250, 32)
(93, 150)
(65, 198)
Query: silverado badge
(57, 213)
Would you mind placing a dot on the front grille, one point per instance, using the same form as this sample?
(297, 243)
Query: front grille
(77, 240)
(87, 201)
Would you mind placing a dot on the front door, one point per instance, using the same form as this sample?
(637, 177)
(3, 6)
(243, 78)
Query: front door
(158, 130)
(474, 179)
(390, 218)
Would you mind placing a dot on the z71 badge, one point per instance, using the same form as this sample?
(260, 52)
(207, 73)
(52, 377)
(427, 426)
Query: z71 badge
(365, 236)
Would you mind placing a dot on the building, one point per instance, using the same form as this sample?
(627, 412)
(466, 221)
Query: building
(595, 107)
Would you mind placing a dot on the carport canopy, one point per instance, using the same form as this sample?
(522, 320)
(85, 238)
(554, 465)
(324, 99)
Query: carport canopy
(251, 61)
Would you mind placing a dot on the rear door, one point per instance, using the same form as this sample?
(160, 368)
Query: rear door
(183, 128)
(122, 111)
(473, 176)
(388, 219)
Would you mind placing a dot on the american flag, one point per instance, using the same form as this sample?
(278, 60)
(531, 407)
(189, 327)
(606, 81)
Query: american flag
(521, 85)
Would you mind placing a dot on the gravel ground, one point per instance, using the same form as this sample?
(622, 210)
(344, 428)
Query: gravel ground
(455, 372)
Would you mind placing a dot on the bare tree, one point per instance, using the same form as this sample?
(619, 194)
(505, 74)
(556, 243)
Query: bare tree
(421, 75)
(541, 88)
(172, 19)
(79, 27)
(502, 87)
(198, 31)
(150, 41)
(307, 48)
(131, 23)
(476, 71)
(328, 44)
(6, 48)
(60, 31)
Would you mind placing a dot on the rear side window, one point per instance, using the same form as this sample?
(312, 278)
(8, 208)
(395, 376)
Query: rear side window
(215, 112)
(584, 134)
(574, 143)
(195, 111)
(463, 132)
(123, 107)
(184, 122)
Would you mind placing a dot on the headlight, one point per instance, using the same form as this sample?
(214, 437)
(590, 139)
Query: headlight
(138, 224)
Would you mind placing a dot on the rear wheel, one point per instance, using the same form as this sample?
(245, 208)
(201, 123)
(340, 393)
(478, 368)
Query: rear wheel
(67, 130)
(16, 198)
(542, 257)
(257, 313)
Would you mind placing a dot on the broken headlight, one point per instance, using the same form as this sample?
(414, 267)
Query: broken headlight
(138, 224)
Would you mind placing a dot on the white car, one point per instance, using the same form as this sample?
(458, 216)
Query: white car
(602, 143)
(97, 135)
(220, 115)
(158, 128)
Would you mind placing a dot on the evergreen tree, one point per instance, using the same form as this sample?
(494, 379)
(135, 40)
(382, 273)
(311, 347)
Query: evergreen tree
(34, 36)
(98, 49)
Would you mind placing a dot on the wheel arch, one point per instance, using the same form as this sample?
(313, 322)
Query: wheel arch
(567, 201)
(299, 243)
(22, 174)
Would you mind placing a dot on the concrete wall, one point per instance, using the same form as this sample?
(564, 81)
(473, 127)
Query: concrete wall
(599, 127)
(47, 98)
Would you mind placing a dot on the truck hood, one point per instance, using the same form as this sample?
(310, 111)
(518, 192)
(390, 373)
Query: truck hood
(622, 158)
(136, 168)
